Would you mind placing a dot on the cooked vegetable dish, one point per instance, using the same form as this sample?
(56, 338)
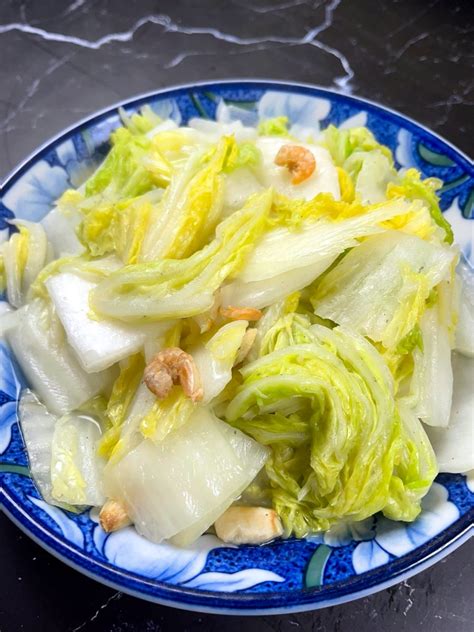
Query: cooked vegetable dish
(231, 328)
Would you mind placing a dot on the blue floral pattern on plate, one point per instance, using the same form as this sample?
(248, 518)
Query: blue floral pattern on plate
(9, 393)
(167, 563)
(350, 560)
(392, 539)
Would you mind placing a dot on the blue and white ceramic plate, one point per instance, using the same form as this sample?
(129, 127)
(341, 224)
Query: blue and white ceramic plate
(284, 576)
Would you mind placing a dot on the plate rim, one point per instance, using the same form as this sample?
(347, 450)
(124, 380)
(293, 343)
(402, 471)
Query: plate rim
(239, 603)
(144, 96)
(221, 602)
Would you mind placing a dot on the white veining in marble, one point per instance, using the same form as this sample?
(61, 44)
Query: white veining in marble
(411, 42)
(309, 39)
(31, 91)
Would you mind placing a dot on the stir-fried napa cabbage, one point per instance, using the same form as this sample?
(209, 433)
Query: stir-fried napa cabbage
(191, 206)
(216, 357)
(205, 461)
(381, 287)
(22, 257)
(122, 405)
(453, 444)
(343, 144)
(215, 318)
(170, 288)
(432, 381)
(324, 401)
(37, 427)
(285, 259)
(98, 344)
(131, 168)
(49, 363)
(411, 186)
(76, 469)
(464, 334)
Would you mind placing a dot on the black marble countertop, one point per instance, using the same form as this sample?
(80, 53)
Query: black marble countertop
(63, 60)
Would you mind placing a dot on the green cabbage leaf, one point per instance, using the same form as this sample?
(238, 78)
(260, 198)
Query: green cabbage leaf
(343, 143)
(140, 123)
(123, 173)
(277, 126)
(340, 451)
(123, 393)
(76, 470)
(191, 206)
(380, 288)
(411, 186)
(173, 288)
(176, 488)
(22, 258)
